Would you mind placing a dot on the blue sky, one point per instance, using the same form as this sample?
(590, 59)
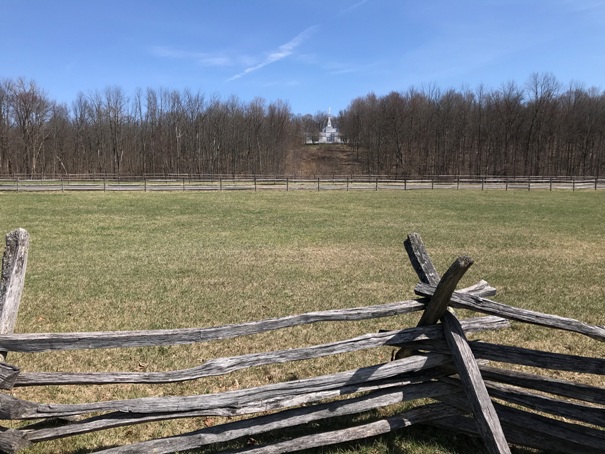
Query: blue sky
(313, 54)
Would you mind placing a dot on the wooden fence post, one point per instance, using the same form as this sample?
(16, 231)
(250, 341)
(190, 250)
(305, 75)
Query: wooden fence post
(14, 264)
(427, 273)
(443, 293)
(420, 260)
(480, 403)
(483, 409)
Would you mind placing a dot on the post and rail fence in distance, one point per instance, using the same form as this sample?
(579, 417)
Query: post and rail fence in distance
(199, 182)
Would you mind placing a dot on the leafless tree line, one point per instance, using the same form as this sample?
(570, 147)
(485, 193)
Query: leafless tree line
(152, 132)
(540, 128)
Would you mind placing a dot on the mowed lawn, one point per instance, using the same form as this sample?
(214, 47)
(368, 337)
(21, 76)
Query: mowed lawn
(122, 261)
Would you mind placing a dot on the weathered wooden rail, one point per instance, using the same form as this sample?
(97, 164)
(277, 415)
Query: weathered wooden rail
(434, 360)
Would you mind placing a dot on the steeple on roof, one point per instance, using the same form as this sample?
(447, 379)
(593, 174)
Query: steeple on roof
(329, 126)
(329, 134)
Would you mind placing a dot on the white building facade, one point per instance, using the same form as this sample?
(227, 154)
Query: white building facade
(329, 134)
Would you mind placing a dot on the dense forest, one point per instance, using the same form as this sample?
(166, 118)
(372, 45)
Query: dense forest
(538, 128)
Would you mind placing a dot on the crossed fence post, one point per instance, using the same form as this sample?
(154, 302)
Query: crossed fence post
(436, 310)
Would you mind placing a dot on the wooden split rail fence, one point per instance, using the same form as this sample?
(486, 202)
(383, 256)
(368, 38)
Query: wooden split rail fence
(433, 360)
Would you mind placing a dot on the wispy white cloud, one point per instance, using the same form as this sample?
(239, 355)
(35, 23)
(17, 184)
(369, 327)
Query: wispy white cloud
(283, 51)
(352, 7)
(202, 58)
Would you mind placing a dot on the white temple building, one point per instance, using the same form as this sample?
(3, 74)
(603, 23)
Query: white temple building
(329, 134)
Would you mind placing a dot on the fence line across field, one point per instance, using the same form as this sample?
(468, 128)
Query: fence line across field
(292, 183)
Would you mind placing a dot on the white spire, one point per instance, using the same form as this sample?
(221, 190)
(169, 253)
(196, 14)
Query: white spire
(329, 126)
(329, 134)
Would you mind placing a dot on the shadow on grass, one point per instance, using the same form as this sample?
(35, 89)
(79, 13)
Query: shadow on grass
(417, 439)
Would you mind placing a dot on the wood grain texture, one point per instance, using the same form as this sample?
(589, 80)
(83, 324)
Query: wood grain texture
(487, 306)
(40, 342)
(588, 414)
(221, 366)
(443, 292)
(11, 408)
(565, 388)
(8, 375)
(523, 436)
(414, 387)
(481, 288)
(537, 358)
(585, 438)
(12, 440)
(417, 415)
(284, 419)
(474, 387)
(421, 263)
(14, 265)
(421, 260)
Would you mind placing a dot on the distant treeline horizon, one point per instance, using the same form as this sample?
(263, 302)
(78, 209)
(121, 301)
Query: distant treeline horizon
(538, 128)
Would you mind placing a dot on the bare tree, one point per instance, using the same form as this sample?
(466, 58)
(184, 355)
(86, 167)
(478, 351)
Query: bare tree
(254, 119)
(30, 111)
(58, 140)
(5, 127)
(542, 90)
(115, 104)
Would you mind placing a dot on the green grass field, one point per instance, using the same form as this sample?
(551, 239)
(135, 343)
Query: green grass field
(118, 261)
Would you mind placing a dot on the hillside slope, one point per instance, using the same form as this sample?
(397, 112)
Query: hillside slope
(324, 159)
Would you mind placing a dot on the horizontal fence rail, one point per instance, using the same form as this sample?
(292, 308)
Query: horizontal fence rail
(292, 183)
